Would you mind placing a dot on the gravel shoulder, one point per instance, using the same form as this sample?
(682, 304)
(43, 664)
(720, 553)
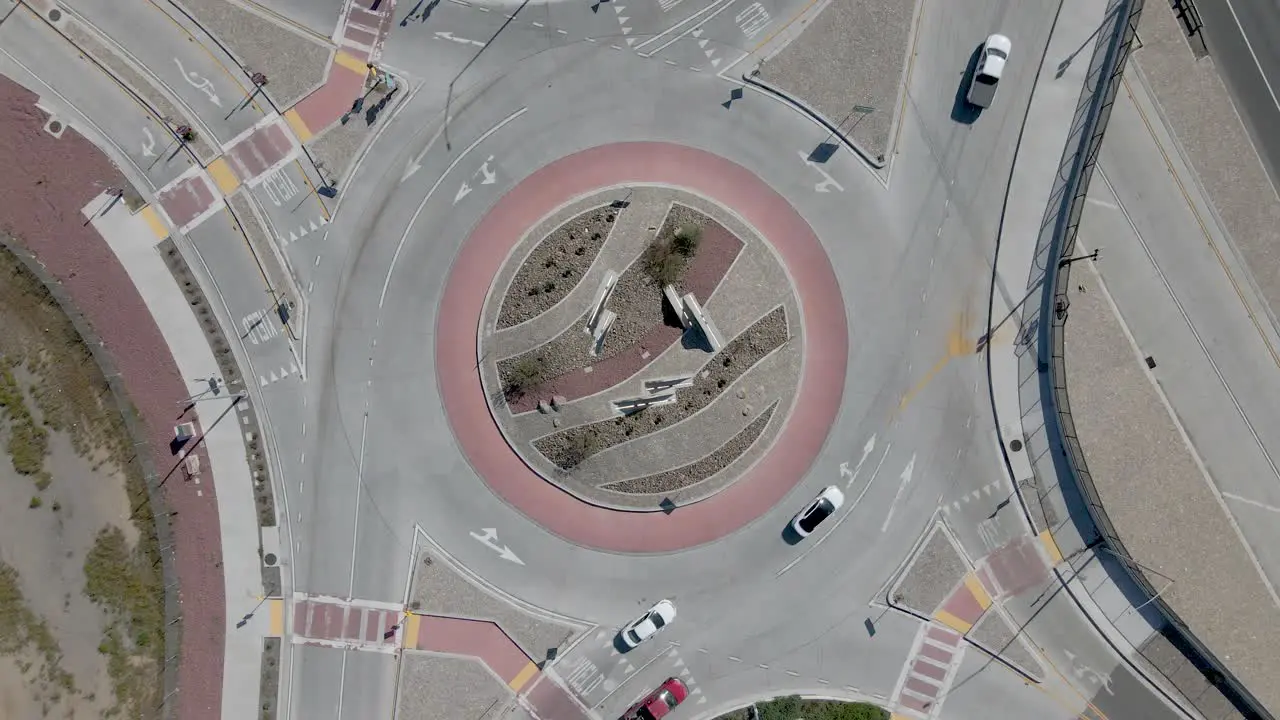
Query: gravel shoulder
(437, 687)
(440, 589)
(852, 54)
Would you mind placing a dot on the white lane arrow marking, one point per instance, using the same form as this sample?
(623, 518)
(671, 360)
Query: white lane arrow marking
(415, 164)
(149, 145)
(828, 183)
(203, 84)
(906, 480)
(455, 38)
(489, 175)
(489, 537)
(462, 192)
(844, 467)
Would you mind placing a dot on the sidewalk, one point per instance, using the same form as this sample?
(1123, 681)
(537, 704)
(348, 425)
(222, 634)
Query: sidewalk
(133, 239)
(1015, 370)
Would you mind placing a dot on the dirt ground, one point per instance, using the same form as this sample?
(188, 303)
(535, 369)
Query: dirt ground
(81, 604)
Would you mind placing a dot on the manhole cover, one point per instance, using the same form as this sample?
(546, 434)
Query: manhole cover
(55, 15)
(1015, 445)
(55, 127)
(270, 558)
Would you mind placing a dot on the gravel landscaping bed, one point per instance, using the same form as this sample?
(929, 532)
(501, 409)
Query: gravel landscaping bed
(570, 447)
(696, 472)
(931, 576)
(644, 328)
(555, 266)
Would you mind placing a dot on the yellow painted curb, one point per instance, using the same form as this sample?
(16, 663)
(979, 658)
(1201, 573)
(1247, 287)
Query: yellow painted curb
(299, 128)
(222, 174)
(1055, 554)
(411, 626)
(953, 622)
(275, 608)
(975, 588)
(524, 677)
(154, 222)
(352, 63)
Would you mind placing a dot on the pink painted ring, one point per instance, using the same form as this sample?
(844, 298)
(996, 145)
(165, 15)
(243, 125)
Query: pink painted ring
(826, 352)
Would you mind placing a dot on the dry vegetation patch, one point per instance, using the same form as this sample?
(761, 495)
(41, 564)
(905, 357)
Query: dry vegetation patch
(51, 388)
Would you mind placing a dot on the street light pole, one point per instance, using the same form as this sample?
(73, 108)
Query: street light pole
(259, 81)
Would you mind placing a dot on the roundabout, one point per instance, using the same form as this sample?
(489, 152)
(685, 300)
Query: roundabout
(879, 291)
(820, 381)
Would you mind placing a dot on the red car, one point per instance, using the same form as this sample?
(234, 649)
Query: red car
(658, 703)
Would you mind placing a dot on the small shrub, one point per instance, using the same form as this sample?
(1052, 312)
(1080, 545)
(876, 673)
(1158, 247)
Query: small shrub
(686, 239)
(548, 286)
(579, 447)
(43, 479)
(663, 265)
(35, 502)
(534, 291)
(526, 373)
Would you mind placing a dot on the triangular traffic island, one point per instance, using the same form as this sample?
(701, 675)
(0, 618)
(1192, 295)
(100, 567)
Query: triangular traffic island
(997, 635)
(930, 575)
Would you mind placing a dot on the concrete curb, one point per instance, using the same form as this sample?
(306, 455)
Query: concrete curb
(876, 161)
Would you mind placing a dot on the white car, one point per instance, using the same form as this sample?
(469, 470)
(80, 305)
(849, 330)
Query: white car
(822, 507)
(648, 625)
(986, 76)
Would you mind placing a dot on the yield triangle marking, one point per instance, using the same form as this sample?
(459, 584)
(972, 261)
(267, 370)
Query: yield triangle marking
(273, 376)
(626, 30)
(262, 380)
(709, 53)
(701, 700)
(631, 41)
(679, 663)
(685, 672)
(703, 43)
(324, 220)
(293, 366)
(283, 373)
(619, 8)
(715, 62)
(302, 231)
(623, 20)
(314, 227)
(292, 237)
(697, 33)
(696, 691)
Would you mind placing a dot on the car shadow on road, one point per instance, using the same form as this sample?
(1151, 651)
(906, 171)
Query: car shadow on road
(961, 110)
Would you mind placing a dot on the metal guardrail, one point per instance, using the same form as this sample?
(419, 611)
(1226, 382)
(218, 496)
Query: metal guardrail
(1063, 221)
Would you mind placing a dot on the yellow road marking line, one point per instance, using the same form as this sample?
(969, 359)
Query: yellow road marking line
(523, 678)
(154, 222)
(296, 124)
(785, 25)
(1055, 554)
(953, 622)
(223, 175)
(275, 607)
(975, 588)
(351, 62)
(411, 627)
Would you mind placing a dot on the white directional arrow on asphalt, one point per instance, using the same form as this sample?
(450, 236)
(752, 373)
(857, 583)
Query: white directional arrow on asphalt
(462, 192)
(489, 175)
(844, 466)
(148, 147)
(203, 84)
(455, 38)
(906, 480)
(489, 537)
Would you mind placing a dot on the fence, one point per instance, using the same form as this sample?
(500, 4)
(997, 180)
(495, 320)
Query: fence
(1197, 665)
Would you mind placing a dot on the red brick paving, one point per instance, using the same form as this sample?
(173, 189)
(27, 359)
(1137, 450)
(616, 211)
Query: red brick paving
(184, 201)
(962, 604)
(929, 670)
(553, 702)
(476, 638)
(933, 652)
(49, 181)
(1017, 566)
(716, 253)
(256, 153)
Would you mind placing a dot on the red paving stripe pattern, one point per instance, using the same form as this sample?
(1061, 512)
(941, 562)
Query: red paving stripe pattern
(716, 254)
(929, 670)
(347, 624)
(41, 205)
(822, 378)
(475, 638)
